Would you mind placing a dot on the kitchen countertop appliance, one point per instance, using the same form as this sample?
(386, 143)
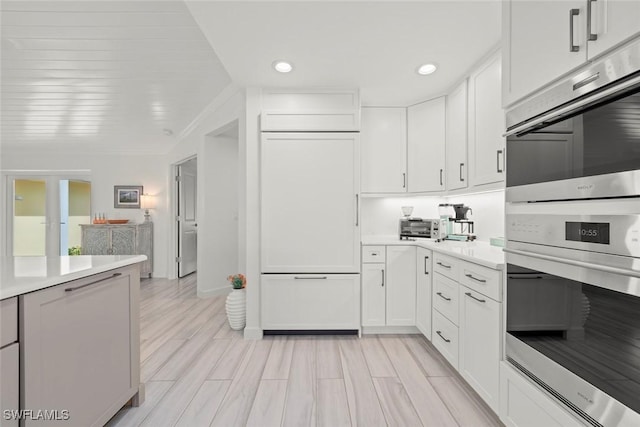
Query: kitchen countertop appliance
(410, 228)
(573, 240)
(458, 226)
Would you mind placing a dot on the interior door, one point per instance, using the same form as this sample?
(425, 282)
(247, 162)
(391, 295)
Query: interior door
(187, 218)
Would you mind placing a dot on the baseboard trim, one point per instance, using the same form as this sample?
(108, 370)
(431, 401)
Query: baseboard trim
(253, 334)
(213, 292)
(390, 330)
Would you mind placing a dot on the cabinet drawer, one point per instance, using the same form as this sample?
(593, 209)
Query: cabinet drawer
(373, 253)
(445, 338)
(8, 321)
(445, 297)
(446, 265)
(9, 386)
(310, 301)
(482, 279)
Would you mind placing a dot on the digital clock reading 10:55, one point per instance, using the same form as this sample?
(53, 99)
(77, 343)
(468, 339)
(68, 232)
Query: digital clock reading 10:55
(591, 232)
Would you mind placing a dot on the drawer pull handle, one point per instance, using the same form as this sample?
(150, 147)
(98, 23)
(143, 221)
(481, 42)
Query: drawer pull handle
(442, 296)
(310, 277)
(475, 278)
(93, 283)
(471, 296)
(443, 265)
(445, 340)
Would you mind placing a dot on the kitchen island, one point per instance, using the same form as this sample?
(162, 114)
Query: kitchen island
(70, 338)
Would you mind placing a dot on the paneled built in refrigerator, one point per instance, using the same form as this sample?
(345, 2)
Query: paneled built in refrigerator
(310, 238)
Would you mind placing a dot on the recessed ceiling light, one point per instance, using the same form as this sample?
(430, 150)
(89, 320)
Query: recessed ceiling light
(426, 69)
(167, 132)
(282, 66)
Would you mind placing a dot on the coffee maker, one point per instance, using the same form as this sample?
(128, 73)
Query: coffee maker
(454, 220)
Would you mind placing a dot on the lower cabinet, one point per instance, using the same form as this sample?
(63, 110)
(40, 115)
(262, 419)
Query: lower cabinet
(389, 288)
(80, 346)
(445, 338)
(479, 357)
(9, 383)
(524, 405)
(310, 301)
(423, 291)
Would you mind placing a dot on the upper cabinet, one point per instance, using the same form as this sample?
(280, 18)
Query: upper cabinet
(456, 146)
(612, 21)
(546, 39)
(486, 123)
(384, 150)
(426, 146)
(310, 110)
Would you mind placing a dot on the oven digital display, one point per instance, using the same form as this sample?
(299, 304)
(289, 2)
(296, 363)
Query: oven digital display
(591, 232)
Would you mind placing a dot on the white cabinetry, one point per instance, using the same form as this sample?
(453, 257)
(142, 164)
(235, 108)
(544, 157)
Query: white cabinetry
(613, 21)
(310, 301)
(479, 355)
(522, 404)
(426, 144)
(546, 39)
(80, 346)
(486, 123)
(401, 285)
(456, 128)
(384, 150)
(423, 291)
(309, 206)
(309, 110)
(389, 289)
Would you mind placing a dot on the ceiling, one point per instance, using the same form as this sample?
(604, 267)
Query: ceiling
(374, 45)
(103, 75)
(115, 74)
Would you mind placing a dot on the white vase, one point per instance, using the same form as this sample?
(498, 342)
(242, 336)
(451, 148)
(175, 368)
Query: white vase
(236, 309)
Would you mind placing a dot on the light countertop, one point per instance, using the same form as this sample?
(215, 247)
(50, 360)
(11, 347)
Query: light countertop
(477, 252)
(20, 275)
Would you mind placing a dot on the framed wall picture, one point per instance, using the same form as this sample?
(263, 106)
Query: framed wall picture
(127, 196)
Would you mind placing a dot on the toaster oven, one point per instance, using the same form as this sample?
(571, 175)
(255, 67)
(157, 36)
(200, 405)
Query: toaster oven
(417, 227)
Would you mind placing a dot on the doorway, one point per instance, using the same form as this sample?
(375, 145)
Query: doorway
(45, 212)
(187, 216)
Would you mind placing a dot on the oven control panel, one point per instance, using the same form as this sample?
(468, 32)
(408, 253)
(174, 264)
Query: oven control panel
(611, 234)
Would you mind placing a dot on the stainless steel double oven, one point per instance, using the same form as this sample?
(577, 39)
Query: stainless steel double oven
(573, 240)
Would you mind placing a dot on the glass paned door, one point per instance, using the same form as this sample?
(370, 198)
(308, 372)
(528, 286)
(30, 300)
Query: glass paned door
(46, 213)
(30, 217)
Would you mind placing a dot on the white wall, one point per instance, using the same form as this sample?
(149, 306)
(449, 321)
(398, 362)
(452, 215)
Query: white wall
(219, 241)
(107, 170)
(225, 111)
(380, 215)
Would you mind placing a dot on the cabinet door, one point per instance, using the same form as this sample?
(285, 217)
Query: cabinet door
(612, 22)
(80, 346)
(384, 150)
(486, 123)
(538, 44)
(123, 240)
(423, 291)
(309, 214)
(310, 301)
(9, 383)
(373, 295)
(426, 146)
(401, 285)
(145, 247)
(457, 166)
(479, 335)
(95, 240)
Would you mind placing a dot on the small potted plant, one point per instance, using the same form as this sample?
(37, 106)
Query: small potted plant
(236, 302)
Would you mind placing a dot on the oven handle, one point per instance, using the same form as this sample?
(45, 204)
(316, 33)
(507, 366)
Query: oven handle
(582, 264)
(571, 107)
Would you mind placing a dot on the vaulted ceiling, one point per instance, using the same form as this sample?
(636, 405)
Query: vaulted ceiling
(123, 74)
